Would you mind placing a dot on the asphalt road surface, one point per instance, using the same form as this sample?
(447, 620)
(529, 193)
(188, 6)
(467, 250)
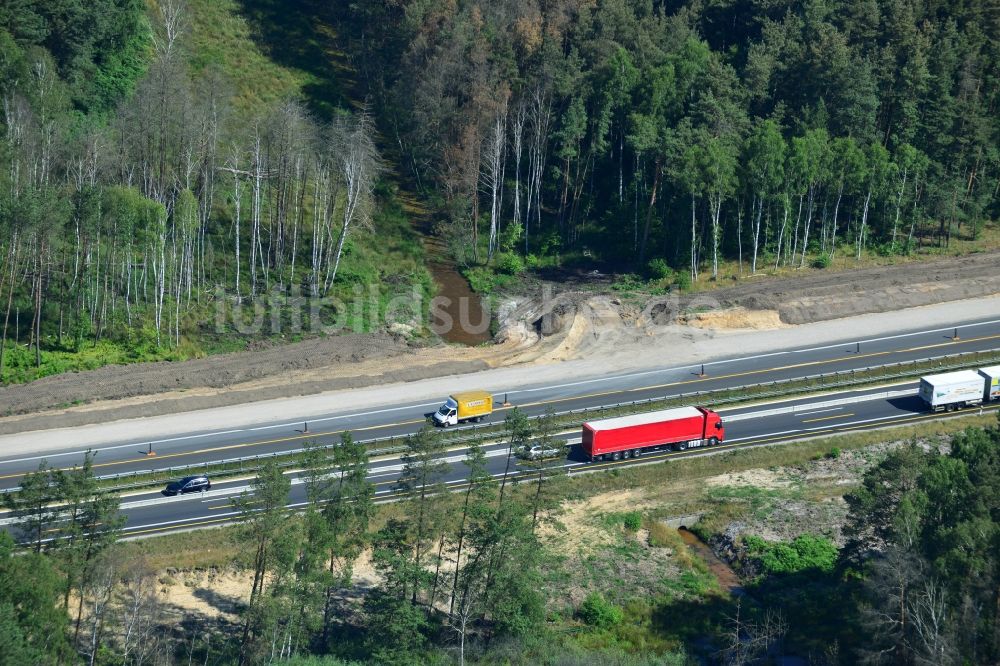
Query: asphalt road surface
(150, 513)
(394, 420)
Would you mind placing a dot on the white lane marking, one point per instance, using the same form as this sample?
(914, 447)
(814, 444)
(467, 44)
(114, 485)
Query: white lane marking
(174, 522)
(117, 446)
(515, 391)
(754, 357)
(729, 440)
(864, 421)
(820, 411)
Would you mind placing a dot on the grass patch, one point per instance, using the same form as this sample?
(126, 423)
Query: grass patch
(215, 547)
(19, 360)
(631, 521)
(484, 280)
(223, 40)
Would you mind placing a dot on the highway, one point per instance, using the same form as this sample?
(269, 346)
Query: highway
(150, 513)
(394, 420)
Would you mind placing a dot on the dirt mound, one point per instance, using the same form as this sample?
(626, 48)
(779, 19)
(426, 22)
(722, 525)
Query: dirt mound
(735, 318)
(824, 295)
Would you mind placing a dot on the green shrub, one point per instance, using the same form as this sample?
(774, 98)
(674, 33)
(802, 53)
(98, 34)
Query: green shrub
(509, 263)
(657, 269)
(632, 521)
(598, 612)
(834, 453)
(627, 282)
(822, 261)
(803, 553)
(683, 280)
(510, 236)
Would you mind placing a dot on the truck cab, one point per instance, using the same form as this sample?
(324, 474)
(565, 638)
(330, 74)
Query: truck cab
(715, 429)
(447, 414)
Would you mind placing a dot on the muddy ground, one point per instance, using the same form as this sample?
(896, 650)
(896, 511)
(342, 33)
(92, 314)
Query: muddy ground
(582, 319)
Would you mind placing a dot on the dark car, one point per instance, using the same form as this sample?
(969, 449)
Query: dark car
(189, 484)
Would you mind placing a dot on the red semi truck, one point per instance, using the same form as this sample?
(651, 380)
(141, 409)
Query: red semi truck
(627, 436)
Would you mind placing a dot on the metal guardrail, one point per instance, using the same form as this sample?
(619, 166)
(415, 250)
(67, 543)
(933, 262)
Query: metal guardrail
(792, 409)
(478, 433)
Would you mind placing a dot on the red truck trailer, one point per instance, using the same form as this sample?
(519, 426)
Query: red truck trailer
(627, 436)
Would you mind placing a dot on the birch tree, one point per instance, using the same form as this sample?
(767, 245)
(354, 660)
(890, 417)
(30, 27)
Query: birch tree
(359, 162)
(765, 164)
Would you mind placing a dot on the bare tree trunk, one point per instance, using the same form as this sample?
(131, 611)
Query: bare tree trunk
(805, 229)
(716, 203)
(657, 172)
(836, 211)
(864, 225)
(756, 233)
(899, 201)
(781, 233)
(694, 241)
(496, 150)
(12, 260)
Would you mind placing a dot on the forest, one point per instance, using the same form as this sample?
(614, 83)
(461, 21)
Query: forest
(674, 135)
(143, 188)
(136, 197)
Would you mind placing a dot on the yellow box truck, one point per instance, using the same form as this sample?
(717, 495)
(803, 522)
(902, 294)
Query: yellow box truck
(465, 406)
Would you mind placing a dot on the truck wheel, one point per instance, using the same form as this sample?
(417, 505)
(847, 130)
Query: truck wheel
(616, 456)
(635, 453)
(713, 441)
(682, 446)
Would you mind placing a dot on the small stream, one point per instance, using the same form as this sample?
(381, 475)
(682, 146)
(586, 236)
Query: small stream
(466, 321)
(728, 580)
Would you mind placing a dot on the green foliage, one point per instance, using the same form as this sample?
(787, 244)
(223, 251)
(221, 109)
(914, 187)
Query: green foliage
(597, 612)
(628, 282)
(822, 261)
(95, 45)
(484, 280)
(509, 263)
(658, 269)
(683, 280)
(32, 623)
(931, 518)
(632, 521)
(805, 552)
(312, 660)
(833, 453)
(510, 236)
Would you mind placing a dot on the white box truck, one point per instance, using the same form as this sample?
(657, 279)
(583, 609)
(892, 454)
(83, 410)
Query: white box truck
(992, 377)
(952, 390)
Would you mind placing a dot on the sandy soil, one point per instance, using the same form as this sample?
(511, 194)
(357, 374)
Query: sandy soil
(213, 594)
(574, 529)
(572, 324)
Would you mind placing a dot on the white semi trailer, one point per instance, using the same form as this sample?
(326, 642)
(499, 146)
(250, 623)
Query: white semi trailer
(953, 390)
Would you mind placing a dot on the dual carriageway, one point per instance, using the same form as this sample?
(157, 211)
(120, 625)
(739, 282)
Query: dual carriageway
(149, 513)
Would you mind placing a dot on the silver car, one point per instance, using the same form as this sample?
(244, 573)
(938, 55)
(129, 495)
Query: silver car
(539, 452)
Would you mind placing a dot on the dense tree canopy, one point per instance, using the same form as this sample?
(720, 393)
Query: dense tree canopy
(924, 530)
(853, 123)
